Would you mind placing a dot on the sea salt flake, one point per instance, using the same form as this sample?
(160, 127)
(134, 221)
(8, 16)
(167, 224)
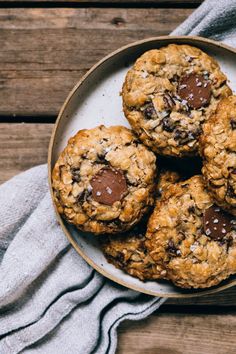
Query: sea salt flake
(163, 114)
(108, 189)
(215, 221)
(98, 193)
(188, 58)
(89, 188)
(144, 74)
(223, 231)
(193, 247)
(208, 232)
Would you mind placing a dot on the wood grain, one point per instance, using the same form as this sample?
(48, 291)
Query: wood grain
(44, 52)
(179, 334)
(25, 145)
(22, 146)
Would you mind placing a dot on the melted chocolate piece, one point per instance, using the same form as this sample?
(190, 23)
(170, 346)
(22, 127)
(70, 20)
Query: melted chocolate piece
(195, 90)
(108, 186)
(217, 223)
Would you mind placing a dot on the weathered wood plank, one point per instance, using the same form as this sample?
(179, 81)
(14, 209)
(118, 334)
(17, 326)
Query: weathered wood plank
(223, 298)
(25, 145)
(44, 52)
(22, 146)
(179, 334)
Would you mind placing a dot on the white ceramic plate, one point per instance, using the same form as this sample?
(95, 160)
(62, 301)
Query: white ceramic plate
(95, 100)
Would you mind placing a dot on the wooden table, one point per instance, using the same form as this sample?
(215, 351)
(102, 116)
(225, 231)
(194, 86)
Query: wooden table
(46, 47)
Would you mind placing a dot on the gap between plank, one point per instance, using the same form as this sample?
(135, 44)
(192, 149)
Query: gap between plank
(105, 4)
(196, 309)
(44, 119)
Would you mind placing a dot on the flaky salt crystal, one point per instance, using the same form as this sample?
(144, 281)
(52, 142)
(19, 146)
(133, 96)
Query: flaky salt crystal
(108, 189)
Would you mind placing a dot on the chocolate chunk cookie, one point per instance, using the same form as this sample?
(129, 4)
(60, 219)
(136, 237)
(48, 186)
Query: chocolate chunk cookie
(128, 251)
(104, 179)
(169, 93)
(191, 238)
(218, 149)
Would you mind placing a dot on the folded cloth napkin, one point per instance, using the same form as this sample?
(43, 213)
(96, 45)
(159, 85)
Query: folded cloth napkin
(51, 300)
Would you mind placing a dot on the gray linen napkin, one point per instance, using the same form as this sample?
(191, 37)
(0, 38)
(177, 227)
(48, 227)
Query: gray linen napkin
(51, 301)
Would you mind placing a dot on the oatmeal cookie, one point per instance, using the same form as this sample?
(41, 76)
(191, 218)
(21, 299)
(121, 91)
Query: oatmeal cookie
(129, 253)
(169, 93)
(192, 238)
(104, 179)
(218, 149)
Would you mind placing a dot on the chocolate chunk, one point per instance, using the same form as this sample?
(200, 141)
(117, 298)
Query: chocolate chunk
(233, 123)
(171, 248)
(75, 174)
(149, 111)
(195, 90)
(191, 209)
(108, 186)
(168, 125)
(184, 137)
(82, 197)
(174, 78)
(120, 258)
(101, 158)
(217, 223)
(180, 134)
(231, 191)
(228, 242)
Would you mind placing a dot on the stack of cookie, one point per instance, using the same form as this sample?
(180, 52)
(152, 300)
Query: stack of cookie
(160, 224)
